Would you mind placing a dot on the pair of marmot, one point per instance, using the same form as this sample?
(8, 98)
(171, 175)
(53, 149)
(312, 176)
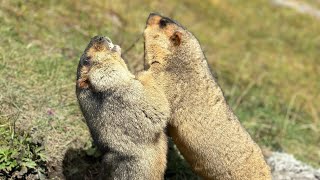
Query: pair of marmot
(127, 115)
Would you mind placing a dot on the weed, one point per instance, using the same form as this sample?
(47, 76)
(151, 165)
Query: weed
(20, 156)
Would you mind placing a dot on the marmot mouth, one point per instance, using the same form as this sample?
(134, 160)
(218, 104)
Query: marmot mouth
(155, 62)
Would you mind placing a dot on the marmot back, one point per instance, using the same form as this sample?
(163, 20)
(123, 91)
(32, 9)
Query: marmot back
(126, 115)
(202, 125)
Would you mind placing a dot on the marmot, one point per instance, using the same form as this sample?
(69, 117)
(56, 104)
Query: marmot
(126, 115)
(202, 125)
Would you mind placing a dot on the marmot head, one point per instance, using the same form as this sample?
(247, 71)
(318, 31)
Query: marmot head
(167, 43)
(100, 53)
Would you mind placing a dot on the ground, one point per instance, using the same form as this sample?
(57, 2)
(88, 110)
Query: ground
(266, 59)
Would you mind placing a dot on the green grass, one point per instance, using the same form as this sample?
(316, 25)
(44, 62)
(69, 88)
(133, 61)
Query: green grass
(266, 59)
(21, 156)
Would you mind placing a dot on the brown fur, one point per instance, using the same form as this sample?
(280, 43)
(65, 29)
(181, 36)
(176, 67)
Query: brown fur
(126, 115)
(202, 125)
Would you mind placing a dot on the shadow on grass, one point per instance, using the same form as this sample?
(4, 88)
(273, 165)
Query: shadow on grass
(77, 164)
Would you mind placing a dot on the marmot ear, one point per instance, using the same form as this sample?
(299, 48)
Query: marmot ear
(176, 38)
(83, 83)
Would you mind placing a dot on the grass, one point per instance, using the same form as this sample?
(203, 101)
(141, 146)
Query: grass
(265, 57)
(21, 157)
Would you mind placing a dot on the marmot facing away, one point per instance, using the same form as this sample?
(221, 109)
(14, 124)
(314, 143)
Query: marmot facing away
(202, 125)
(126, 115)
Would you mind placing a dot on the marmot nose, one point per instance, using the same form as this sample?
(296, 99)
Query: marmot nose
(153, 14)
(101, 39)
(153, 18)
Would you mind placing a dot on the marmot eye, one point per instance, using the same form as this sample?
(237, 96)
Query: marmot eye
(87, 61)
(163, 22)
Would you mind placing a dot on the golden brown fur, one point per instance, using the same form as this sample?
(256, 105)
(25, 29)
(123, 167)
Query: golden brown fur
(202, 125)
(126, 115)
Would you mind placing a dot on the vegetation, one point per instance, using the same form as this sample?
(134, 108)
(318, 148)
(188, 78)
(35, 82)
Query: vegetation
(20, 156)
(266, 59)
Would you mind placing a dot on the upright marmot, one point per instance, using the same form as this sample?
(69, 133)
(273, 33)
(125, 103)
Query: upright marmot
(202, 125)
(126, 115)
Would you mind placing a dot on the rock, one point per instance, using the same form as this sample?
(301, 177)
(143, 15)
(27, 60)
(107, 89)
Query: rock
(286, 167)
